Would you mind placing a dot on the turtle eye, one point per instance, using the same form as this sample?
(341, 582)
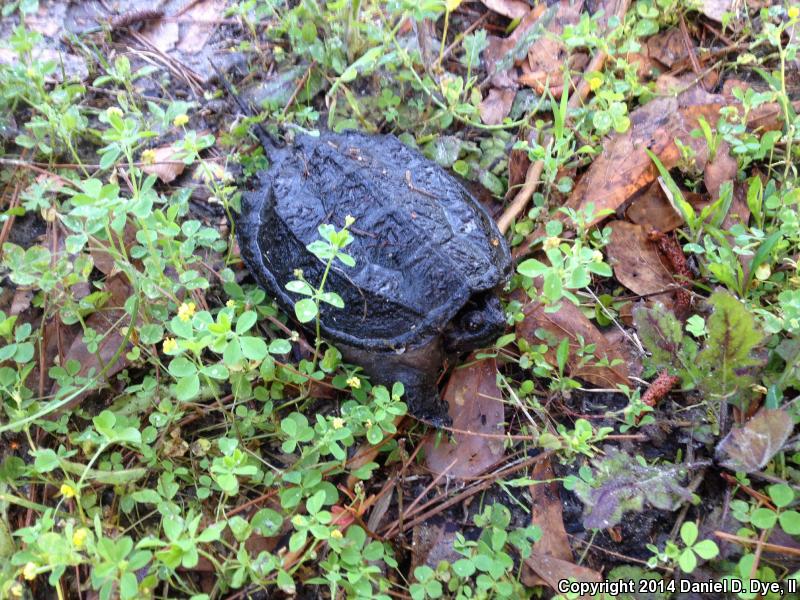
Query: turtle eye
(473, 322)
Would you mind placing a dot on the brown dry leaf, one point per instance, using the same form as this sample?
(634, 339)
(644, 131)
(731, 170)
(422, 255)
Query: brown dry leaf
(162, 34)
(499, 48)
(667, 47)
(196, 35)
(547, 54)
(624, 168)
(552, 570)
(651, 209)
(546, 513)
(646, 67)
(723, 168)
(165, 167)
(569, 322)
(617, 338)
(475, 404)
(107, 322)
(496, 106)
(637, 262)
(513, 9)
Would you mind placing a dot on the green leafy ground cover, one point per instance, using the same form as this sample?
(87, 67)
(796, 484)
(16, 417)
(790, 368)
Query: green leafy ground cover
(166, 431)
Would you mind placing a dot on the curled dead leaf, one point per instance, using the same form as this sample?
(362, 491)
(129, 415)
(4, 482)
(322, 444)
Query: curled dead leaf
(496, 106)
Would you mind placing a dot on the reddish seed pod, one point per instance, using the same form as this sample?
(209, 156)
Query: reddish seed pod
(672, 251)
(660, 388)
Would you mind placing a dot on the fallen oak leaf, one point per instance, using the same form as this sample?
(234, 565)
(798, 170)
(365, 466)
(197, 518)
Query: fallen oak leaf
(476, 406)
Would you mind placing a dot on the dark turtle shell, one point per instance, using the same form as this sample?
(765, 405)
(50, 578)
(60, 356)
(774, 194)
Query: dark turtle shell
(423, 246)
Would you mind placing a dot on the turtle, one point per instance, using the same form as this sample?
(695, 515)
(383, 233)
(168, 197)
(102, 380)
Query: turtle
(429, 259)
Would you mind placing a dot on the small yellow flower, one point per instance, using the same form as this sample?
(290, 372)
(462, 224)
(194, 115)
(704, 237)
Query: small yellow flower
(186, 311)
(230, 303)
(595, 83)
(338, 422)
(114, 110)
(336, 534)
(551, 242)
(68, 491)
(149, 156)
(349, 220)
(794, 12)
(16, 590)
(597, 256)
(170, 345)
(29, 571)
(79, 537)
(180, 120)
(354, 382)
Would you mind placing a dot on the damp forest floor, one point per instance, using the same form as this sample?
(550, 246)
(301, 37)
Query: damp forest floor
(167, 431)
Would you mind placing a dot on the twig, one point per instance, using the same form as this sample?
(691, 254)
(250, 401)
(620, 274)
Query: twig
(299, 86)
(778, 549)
(535, 169)
(687, 41)
(466, 493)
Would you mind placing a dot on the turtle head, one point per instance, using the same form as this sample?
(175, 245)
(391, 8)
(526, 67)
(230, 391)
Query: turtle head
(479, 323)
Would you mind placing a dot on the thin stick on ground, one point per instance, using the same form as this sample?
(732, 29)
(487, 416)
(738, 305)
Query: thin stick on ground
(534, 172)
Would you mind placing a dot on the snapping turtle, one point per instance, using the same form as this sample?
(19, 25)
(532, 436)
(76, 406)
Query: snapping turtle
(428, 256)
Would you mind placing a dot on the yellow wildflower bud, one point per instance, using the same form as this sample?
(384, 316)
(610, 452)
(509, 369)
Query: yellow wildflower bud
(336, 534)
(149, 156)
(551, 242)
(180, 120)
(186, 311)
(114, 110)
(79, 537)
(338, 422)
(354, 382)
(29, 571)
(170, 345)
(68, 491)
(794, 12)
